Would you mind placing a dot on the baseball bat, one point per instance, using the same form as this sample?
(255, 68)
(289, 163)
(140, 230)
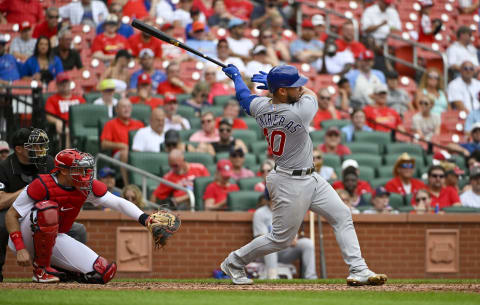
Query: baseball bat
(142, 26)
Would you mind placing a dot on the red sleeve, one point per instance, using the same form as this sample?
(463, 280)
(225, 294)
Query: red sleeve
(158, 49)
(210, 192)
(163, 191)
(390, 186)
(107, 131)
(241, 124)
(82, 100)
(51, 106)
(36, 31)
(37, 190)
(97, 44)
(398, 119)
(370, 119)
(346, 150)
(132, 41)
(454, 198)
(338, 185)
(235, 188)
(98, 188)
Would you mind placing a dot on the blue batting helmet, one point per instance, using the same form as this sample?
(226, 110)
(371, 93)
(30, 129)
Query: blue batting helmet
(284, 76)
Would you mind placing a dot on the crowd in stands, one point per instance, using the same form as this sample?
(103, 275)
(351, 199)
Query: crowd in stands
(161, 99)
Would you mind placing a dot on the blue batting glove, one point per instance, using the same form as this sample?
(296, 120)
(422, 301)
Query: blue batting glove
(261, 78)
(231, 71)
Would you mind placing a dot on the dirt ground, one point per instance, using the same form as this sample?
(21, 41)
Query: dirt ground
(225, 286)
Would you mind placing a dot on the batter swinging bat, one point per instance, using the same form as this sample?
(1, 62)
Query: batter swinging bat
(162, 36)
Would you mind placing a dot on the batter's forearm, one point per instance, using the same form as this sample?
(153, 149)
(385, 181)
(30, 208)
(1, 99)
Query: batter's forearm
(243, 94)
(7, 199)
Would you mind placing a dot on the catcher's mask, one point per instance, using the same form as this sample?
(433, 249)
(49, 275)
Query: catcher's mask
(81, 168)
(37, 147)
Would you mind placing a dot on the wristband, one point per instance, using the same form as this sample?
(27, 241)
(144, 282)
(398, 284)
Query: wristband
(143, 219)
(17, 240)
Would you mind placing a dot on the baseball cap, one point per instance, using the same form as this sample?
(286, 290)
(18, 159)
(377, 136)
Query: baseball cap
(349, 163)
(226, 121)
(453, 169)
(307, 23)
(3, 38)
(475, 172)
(235, 22)
(25, 25)
(366, 55)
(194, 10)
(238, 152)
(144, 79)
(146, 52)
(198, 26)
(388, 1)
(107, 84)
(380, 191)
(318, 20)
(380, 88)
(4, 146)
(172, 136)
(333, 129)
(105, 172)
(169, 98)
(391, 74)
(259, 49)
(166, 27)
(111, 19)
(62, 77)
(224, 168)
(475, 126)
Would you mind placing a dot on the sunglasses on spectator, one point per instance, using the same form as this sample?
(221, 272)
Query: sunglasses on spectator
(237, 155)
(326, 98)
(437, 176)
(424, 103)
(4, 151)
(434, 76)
(468, 68)
(266, 170)
(207, 121)
(225, 130)
(210, 73)
(267, 36)
(204, 95)
(53, 17)
(317, 157)
(171, 144)
(406, 165)
(420, 199)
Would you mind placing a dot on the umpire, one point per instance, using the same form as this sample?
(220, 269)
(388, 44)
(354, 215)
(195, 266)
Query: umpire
(29, 159)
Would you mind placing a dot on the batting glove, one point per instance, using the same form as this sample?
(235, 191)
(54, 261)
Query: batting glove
(261, 78)
(231, 71)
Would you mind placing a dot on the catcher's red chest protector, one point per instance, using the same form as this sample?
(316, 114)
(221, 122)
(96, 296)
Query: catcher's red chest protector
(69, 200)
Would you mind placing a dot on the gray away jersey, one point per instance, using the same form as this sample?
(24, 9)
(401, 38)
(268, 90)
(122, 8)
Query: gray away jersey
(286, 128)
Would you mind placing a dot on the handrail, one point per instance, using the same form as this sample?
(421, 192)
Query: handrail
(415, 65)
(146, 175)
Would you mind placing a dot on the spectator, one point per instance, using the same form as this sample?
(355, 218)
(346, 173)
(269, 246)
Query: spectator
(173, 84)
(452, 175)
(208, 133)
(21, 10)
(199, 41)
(216, 88)
(199, 97)
(379, 116)
(472, 119)
(262, 15)
(237, 157)
(22, 46)
(146, 62)
(426, 124)
(173, 141)
(118, 70)
(336, 62)
(58, 105)
(473, 160)
(443, 196)
(351, 184)
(84, 12)
(347, 40)
(220, 16)
(427, 28)
(162, 9)
(380, 200)
(432, 83)
(397, 98)
(169, 51)
(379, 19)
(265, 168)
(343, 194)
(463, 91)
(403, 182)
(231, 111)
(69, 56)
(344, 94)
(227, 142)
(107, 88)
(143, 41)
(216, 193)
(259, 62)
(115, 133)
(468, 6)
(277, 27)
(326, 109)
(107, 176)
(10, 67)
(107, 44)
(318, 22)
(182, 173)
(423, 202)
(239, 45)
(124, 29)
(181, 17)
(462, 50)
(300, 248)
(470, 147)
(277, 49)
(224, 55)
(135, 9)
(471, 198)
(144, 92)
(363, 80)
(172, 119)
(43, 65)
(150, 138)
(358, 124)
(50, 26)
(4, 150)
(307, 48)
(332, 143)
(326, 172)
(239, 8)
(133, 194)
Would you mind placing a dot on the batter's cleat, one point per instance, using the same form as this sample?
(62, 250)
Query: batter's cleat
(366, 277)
(44, 275)
(237, 275)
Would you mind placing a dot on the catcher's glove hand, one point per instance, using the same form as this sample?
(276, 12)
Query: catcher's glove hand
(162, 224)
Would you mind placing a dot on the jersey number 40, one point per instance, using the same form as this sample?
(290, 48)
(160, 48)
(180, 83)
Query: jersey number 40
(271, 140)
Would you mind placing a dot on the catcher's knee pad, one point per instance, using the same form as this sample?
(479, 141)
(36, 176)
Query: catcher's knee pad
(102, 273)
(45, 229)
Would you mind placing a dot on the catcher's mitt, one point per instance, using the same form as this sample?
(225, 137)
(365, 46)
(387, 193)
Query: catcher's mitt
(162, 224)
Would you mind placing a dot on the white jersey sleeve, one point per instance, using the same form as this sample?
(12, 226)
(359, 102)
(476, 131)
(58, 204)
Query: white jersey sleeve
(23, 204)
(116, 203)
(307, 107)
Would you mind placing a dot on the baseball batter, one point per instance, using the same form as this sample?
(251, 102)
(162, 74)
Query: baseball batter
(293, 185)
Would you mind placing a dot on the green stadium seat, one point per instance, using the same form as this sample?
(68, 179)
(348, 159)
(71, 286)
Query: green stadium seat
(405, 209)
(378, 137)
(461, 209)
(363, 208)
(216, 110)
(250, 159)
(199, 186)
(410, 148)
(396, 200)
(247, 184)
(261, 158)
(385, 171)
(186, 111)
(317, 135)
(91, 96)
(367, 173)
(258, 147)
(242, 200)
(222, 100)
(186, 134)
(203, 158)
(131, 135)
(141, 112)
(182, 97)
(84, 121)
(195, 123)
(368, 198)
(374, 161)
(151, 162)
(364, 148)
(378, 182)
(332, 160)
(246, 135)
(338, 123)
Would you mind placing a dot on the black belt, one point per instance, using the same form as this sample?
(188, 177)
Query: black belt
(300, 172)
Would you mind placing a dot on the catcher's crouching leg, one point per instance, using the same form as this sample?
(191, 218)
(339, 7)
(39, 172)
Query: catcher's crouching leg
(102, 273)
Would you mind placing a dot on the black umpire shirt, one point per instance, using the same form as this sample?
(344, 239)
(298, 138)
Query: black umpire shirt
(15, 176)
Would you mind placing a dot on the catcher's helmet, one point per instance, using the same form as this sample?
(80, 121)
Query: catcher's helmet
(284, 76)
(81, 166)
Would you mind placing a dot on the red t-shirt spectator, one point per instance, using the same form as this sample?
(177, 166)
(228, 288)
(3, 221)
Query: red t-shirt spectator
(168, 87)
(384, 115)
(219, 89)
(135, 9)
(239, 8)
(117, 131)
(362, 187)
(395, 186)
(219, 192)
(194, 170)
(59, 106)
(237, 123)
(137, 44)
(447, 197)
(153, 102)
(17, 11)
(323, 115)
(203, 8)
(355, 47)
(109, 45)
(42, 29)
(340, 151)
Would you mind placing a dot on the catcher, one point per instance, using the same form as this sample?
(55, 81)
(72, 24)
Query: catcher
(45, 210)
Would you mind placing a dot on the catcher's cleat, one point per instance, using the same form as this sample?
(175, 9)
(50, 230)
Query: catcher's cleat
(44, 275)
(237, 275)
(366, 277)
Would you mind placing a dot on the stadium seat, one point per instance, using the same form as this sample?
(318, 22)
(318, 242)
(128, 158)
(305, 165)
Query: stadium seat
(84, 121)
(385, 171)
(141, 112)
(91, 97)
(196, 157)
(186, 134)
(396, 200)
(186, 111)
(367, 173)
(317, 135)
(147, 161)
(195, 123)
(246, 135)
(131, 135)
(338, 123)
(222, 100)
(182, 97)
(331, 160)
(248, 184)
(242, 200)
(410, 148)
(250, 159)
(460, 209)
(377, 137)
(258, 147)
(364, 148)
(405, 209)
(374, 161)
(378, 182)
(199, 186)
(216, 110)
